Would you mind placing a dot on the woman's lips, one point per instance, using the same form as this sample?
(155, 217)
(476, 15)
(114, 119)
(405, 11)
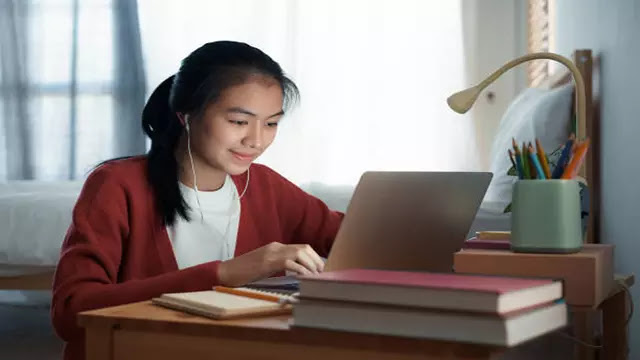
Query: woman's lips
(243, 157)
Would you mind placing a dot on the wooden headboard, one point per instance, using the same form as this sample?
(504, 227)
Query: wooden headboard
(585, 62)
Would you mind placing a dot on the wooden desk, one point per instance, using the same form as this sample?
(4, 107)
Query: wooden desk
(615, 337)
(613, 340)
(591, 290)
(145, 331)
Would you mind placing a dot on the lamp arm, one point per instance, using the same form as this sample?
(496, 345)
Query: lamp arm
(580, 91)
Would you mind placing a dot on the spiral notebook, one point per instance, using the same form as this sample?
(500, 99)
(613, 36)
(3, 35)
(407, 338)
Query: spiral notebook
(228, 303)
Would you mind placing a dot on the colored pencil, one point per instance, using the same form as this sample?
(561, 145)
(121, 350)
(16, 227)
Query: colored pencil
(525, 164)
(529, 169)
(576, 162)
(513, 162)
(564, 158)
(518, 157)
(249, 294)
(532, 167)
(534, 160)
(515, 146)
(542, 157)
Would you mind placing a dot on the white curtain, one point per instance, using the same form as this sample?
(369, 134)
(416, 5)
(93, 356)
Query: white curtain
(71, 86)
(373, 75)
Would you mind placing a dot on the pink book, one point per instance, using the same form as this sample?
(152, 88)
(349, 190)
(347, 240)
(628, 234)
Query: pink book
(475, 243)
(494, 294)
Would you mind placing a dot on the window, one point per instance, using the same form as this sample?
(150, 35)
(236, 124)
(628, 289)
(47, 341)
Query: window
(71, 80)
(374, 77)
(70, 64)
(540, 39)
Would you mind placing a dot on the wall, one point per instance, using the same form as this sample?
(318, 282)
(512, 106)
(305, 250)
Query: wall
(493, 35)
(611, 29)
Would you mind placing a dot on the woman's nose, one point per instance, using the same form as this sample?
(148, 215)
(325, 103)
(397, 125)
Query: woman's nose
(253, 138)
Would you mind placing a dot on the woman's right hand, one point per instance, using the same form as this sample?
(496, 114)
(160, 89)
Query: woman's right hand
(267, 260)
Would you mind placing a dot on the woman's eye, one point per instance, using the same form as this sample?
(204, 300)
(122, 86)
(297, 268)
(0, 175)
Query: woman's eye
(238, 122)
(272, 124)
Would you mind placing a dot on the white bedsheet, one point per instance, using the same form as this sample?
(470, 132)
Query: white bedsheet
(34, 217)
(20, 270)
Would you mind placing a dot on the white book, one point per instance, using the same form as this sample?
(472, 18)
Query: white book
(461, 326)
(224, 305)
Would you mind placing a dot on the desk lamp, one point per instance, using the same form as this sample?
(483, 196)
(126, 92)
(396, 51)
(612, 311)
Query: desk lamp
(462, 101)
(546, 214)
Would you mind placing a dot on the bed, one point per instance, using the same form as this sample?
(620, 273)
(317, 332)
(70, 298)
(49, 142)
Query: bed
(34, 216)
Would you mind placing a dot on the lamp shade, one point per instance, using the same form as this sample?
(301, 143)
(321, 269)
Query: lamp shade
(462, 101)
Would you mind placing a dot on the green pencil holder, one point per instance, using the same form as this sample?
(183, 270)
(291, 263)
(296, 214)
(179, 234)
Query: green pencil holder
(546, 216)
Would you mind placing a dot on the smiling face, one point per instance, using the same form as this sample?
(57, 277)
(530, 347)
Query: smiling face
(237, 128)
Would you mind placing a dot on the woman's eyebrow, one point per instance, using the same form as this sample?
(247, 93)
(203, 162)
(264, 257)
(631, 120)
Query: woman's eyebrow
(239, 110)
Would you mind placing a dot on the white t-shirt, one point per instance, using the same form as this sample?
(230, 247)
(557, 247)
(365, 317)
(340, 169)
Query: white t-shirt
(209, 237)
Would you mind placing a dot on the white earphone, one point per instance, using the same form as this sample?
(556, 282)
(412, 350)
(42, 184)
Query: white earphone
(185, 118)
(193, 168)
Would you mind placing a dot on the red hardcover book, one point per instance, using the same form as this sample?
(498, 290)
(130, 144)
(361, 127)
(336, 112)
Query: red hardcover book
(491, 294)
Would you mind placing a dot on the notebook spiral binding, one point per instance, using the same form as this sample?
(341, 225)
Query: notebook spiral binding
(285, 298)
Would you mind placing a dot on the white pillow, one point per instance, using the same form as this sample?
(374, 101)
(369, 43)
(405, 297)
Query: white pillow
(535, 113)
(336, 197)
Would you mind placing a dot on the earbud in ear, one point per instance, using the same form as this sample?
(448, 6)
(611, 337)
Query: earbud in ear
(185, 120)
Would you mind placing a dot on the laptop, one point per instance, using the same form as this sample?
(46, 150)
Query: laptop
(412, 221)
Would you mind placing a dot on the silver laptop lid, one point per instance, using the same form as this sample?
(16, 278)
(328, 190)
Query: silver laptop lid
(407, 220)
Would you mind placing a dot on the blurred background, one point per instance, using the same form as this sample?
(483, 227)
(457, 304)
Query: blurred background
(374, 76)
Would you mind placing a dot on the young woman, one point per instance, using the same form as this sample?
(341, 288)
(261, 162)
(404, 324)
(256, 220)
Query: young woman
(194, 212)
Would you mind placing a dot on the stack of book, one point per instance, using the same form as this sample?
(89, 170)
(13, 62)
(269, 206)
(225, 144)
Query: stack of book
(587, 276)
(493, 310)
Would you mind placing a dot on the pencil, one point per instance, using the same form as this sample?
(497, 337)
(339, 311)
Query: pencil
(542, 157)
(518, 156)
(512, 161)
(564, 158)
(247, 293)
(532, 167)
(576, 162)
(525, 163)
(536, 163)
(515, 147)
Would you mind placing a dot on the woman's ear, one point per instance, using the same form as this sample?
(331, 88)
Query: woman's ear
(182, 118)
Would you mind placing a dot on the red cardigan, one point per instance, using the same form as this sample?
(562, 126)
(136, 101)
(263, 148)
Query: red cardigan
(117, 250)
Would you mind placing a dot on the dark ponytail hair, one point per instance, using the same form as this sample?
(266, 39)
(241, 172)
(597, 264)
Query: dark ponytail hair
(202, 77)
